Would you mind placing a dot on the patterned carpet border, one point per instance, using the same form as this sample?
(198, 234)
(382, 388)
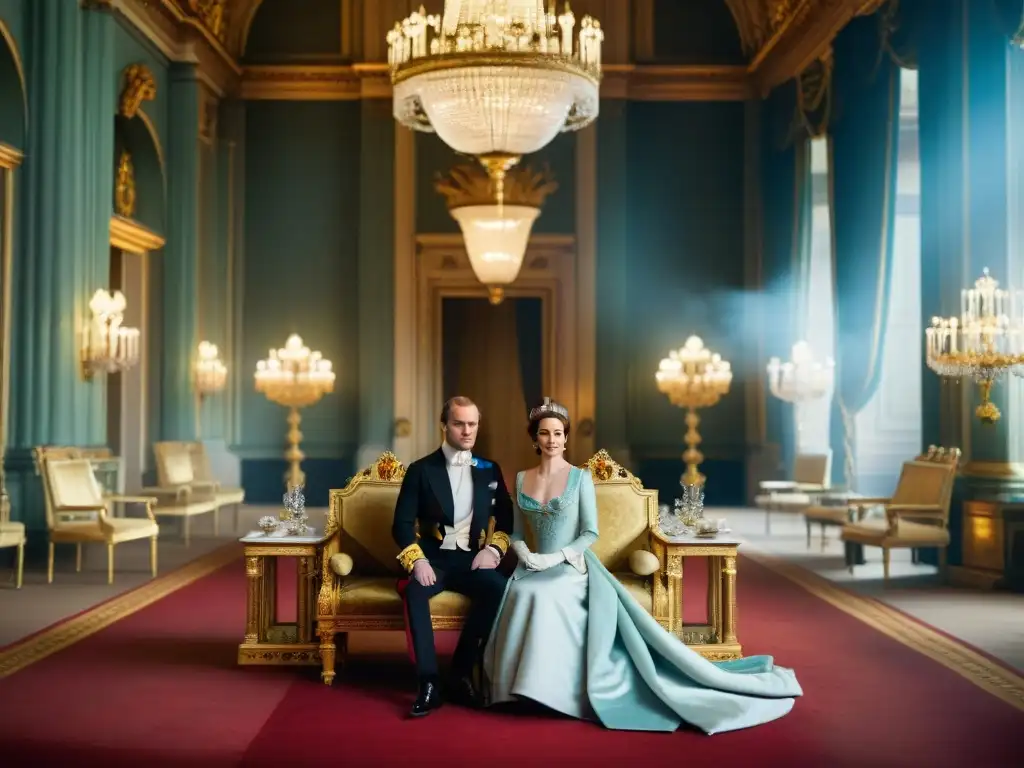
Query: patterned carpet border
(80, 626)
(989, 675)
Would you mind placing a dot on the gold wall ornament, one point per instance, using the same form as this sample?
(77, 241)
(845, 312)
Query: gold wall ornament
(496, 228)
(213, 14)
(124, 186)
(139, 86)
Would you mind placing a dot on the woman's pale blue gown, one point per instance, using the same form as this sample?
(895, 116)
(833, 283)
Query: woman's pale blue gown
(579, 643)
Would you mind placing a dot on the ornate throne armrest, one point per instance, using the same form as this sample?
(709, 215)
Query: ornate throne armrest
(335, 566)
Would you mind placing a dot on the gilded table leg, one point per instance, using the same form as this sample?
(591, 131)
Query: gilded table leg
(675, 594)
(306, 599)
(269, 597)
(254, 605)
(729, 600)
(715, 598)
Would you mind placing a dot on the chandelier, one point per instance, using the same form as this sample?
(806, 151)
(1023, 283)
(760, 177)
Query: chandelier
(107, 345)
(802, 378)
(693, 377)
(495, 79)
(496, 235)
(983, 344)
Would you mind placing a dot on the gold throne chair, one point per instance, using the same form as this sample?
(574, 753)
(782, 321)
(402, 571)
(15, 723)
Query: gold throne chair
(361, 571)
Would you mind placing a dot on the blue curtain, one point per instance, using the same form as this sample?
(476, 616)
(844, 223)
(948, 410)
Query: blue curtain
(864, 141)
(785, 239)
(530, 338)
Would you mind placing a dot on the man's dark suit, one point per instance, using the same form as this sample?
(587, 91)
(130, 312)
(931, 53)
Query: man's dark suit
(426, 498)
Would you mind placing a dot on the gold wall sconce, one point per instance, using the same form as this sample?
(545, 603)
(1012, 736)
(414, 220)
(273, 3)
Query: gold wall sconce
(108, 346)
(209, 376)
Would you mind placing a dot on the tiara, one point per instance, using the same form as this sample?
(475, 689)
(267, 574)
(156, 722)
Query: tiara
(549, 406)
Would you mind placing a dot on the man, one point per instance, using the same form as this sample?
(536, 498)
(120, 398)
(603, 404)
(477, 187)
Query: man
(454, 496)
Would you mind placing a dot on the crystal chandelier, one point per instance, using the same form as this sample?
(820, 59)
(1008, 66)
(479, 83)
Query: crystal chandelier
(495, 79)
(496, 235)
(986, 341)
(802, 378)
(107, 345)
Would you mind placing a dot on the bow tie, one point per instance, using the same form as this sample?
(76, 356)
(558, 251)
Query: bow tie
(461, 459)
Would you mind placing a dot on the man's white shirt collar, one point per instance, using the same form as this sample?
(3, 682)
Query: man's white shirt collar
(456, 458)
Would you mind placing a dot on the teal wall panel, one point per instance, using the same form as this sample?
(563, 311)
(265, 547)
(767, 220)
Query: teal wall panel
(676, 169)
(13, 96)
(302, 242)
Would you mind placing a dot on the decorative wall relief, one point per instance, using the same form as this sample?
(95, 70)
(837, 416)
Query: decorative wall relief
(138, 86)
(124, 186)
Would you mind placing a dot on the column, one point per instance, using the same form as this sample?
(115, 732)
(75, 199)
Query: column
(65, 207)
(613, 352)
(181, 255)
(376, 279)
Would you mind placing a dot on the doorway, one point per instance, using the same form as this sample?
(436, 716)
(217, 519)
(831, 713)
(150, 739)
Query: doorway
(495, 356)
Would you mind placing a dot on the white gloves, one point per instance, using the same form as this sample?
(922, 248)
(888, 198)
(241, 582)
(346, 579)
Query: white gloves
(535, 562)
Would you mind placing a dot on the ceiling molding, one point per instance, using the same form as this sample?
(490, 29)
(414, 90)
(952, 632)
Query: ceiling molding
(803, 33)
(299, 82)
(179, 33)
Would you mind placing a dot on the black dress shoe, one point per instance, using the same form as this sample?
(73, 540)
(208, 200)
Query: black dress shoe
(428, 699)
(462, 691)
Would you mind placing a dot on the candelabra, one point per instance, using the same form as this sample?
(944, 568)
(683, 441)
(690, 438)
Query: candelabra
(983, 344)
(107, 345)
(210, 376)
(693, 378)
(296, 378)
(801, 379)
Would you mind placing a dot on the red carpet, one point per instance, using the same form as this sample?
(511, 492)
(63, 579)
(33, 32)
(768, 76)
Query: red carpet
(161, 688)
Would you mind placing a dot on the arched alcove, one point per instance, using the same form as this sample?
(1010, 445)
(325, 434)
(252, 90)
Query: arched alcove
(13, 99)
(287, 30)
(695, 33)
(136, 136)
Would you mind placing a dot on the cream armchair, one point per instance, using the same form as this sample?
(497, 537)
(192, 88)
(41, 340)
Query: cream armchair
(917, 515)
(811, 477)
(12, 534)
(77, 512)
(360, 569)
(186, 464)
(178, 493)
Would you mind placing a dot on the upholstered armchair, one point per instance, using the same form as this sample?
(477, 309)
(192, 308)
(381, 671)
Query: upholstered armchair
(811, 477)
(917, 514)
(178, 493)
(77, 512)
(361, 571)
(172, 473)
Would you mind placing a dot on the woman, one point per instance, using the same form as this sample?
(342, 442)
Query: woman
(570, 637)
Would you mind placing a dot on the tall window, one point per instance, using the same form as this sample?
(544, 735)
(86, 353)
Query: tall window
(889, 427)
(819, 325)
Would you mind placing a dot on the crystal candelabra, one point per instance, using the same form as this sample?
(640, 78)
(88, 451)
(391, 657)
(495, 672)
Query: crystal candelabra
(294, 516)
(296, 378)
(801, 379)
(693, 378)
(209, 377)
(495, 79)
(107, 345)
(985, 342)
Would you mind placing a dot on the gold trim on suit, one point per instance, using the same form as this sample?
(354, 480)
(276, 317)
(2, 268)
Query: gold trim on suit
(408, 556)
(500, 540)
